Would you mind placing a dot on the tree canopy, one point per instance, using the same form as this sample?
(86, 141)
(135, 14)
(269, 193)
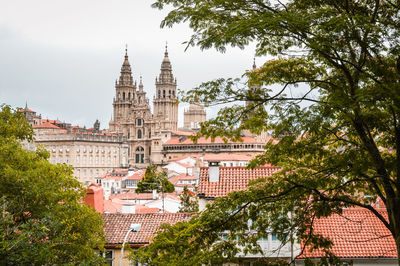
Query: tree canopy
(189, 201)
(43, 220)
(155, 180)
(334, 107)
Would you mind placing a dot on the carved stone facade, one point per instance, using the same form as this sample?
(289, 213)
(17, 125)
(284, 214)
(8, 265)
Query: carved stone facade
(193, 116)
(132, 117)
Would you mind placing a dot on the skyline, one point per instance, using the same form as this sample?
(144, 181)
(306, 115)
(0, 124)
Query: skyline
(63, 58)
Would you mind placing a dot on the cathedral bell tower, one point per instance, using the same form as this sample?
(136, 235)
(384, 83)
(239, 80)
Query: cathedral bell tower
(125, 91)
(165, 101)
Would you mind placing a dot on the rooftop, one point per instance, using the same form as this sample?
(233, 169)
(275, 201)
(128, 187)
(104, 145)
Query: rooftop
(230, 179)
(202, 140)
(356, 233)
(116, 225)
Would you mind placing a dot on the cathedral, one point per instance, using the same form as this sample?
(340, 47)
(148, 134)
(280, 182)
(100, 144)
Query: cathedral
(132, 116)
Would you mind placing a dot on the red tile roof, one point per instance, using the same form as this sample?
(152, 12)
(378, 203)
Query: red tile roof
(136, 176)
(230, 179)
(112, 206)
(144, 209)
(116, 226)
(183, 133)
(357, 233)
(132, 196)
(203, 140)
(227, 157)
(194, 156)
(46, 125)
(185, 165)
(175, 179)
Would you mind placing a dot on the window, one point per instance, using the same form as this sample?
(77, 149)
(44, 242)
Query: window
(139, 157)
(139, 122)
(60, 159)
(84, 148)
(97, 149)
(102, 160)
(139, 134)
(123, 96)
(54, 149)
(274, 237)
(78, 149)
(67, 159)
(91, 160)
(77, 159)
(163, 93)
(67, 149)
(61, 149)
(159, 93)
(97, 159)
(84, 159)
(90, 149)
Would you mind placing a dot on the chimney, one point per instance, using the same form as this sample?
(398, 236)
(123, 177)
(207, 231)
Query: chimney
(213, 171)
(94, 197)
(154, 194)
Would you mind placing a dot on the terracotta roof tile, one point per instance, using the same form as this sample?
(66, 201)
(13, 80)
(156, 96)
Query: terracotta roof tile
(357, 233)
(227, 157)
(116, 225)
(203, 140)
(112, 207)
(46, 125)
(230, 179)
(136, 176)
(132, 196)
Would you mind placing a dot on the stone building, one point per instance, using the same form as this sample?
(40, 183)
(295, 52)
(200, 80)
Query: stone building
(91, 152)
(91, 155)
(193, 116)
(132, 116)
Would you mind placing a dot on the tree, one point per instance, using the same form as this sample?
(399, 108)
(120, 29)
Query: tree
(43, 220)
(155, 180)
(339, 132)
(189, 201)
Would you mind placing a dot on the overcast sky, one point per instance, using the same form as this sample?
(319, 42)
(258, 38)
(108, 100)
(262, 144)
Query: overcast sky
(63, 56)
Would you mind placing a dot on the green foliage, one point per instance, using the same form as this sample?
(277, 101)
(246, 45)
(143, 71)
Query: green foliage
(189, 202)
(43, 220)
(338, 132)
(154, 179)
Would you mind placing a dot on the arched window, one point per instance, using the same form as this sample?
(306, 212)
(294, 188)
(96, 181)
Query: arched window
(163, 93)
(159, 93)
(139, 134)
(139, 157)
(123, 96)
(129, 96)
(139, 122)
(119, 96)
(140, 99)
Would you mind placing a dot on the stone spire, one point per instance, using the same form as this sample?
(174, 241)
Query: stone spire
(126, 73)
(166, 69)
(140, 84)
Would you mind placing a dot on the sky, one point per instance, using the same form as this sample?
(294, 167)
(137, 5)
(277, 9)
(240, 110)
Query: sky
(62, 57)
